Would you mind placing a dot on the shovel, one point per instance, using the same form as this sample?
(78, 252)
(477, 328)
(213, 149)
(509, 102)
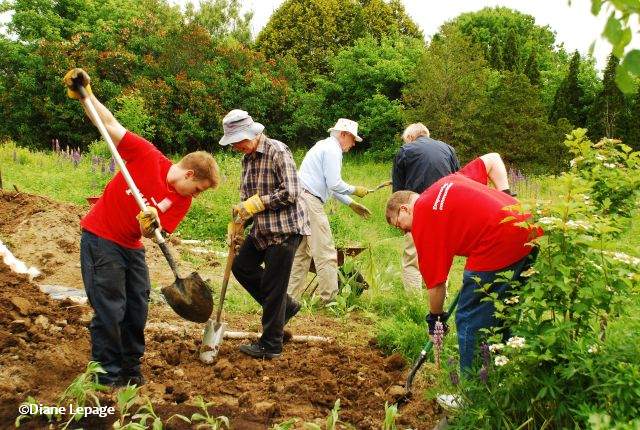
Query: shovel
(423, 357)
(189, 297)
(215, 329)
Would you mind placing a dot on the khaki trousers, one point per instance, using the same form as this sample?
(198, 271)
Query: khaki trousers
(411, 277)
(319, 246)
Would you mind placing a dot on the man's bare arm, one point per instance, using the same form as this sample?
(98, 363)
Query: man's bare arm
(114, 128)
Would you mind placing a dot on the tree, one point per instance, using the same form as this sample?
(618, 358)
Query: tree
(608, 111)
(222, 19)
(450, 91)
(365, 84)
(568, 100)
(496, 59)
(631, 132)
(312, 31)
(515, 125)
(511, 57)
(531, 69)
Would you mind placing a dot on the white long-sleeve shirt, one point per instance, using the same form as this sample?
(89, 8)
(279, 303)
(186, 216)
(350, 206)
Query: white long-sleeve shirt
(320, 172)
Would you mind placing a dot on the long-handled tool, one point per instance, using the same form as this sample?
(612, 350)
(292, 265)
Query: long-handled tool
(215, 329)
(423, 356)
(382, 185)
(189, 297)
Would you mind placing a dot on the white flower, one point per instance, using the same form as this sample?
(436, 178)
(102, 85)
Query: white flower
(548, 220)
(593, 349)
(501, 360)
(529, 272)
(496, 347)
(575, 225)
(516, 342)
(625, 258)
(609, 165)
(600, 157)
(512, 300)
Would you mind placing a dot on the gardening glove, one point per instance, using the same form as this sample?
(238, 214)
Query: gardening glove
(76, 75)
(149, 221)
(433, 318)
(360, 191)
(248, 208)
(360, 210)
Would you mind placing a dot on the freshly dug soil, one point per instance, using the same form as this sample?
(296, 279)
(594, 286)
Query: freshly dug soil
(46, 234)
(44, 344)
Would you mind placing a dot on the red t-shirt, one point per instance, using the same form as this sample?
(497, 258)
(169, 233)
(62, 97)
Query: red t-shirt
(113, 217)
(460, 216)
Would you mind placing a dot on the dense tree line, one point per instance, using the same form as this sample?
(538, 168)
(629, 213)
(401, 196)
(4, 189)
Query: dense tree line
(491, 80)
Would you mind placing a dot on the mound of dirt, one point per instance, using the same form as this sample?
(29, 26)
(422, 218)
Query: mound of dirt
(42, 342)
(46, 234)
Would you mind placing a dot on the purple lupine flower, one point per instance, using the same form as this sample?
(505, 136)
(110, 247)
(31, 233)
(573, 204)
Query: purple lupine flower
(484, 374)
(438, 335)
(112, 166)
(485, 354)
(76, 157)
(103, 168)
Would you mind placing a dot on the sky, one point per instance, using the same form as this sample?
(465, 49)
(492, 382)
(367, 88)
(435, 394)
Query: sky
(573, 24)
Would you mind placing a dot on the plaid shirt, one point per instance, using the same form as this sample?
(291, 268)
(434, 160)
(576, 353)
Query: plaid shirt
(271, 172)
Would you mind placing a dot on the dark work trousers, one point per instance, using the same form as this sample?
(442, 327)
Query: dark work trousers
(474, 314)
(268, 285)
(116, 280)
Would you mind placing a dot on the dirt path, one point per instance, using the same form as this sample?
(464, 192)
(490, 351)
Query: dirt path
(44, 344)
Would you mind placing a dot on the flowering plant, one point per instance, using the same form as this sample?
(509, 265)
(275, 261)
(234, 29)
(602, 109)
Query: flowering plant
(568, 357)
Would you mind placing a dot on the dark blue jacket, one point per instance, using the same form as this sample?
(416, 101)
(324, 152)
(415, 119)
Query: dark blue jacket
(421, 163)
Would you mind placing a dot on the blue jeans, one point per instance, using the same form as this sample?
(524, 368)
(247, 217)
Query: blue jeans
(474, 314)
(116, 280)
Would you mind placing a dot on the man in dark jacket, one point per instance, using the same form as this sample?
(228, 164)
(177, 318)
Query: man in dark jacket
(419, 163)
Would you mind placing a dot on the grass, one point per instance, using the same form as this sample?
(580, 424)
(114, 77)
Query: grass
(397, 315)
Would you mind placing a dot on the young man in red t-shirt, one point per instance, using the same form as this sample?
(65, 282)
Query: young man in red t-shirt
(460, 215)
(114, 270)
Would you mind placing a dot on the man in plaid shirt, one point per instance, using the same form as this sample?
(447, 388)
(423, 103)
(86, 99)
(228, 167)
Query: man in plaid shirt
(270, 194)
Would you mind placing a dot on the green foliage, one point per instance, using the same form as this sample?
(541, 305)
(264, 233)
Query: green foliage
(203, 420)
(365, 85)
(608, 112)
(312, 31)
(450, 92)
(570, 357)
(568, 102)
(221, 18)
(531, 69)
(390, 416)
(618, 32)
(133, 114)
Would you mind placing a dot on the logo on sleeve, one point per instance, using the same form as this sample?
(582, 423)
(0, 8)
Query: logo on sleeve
(438, 205)
(164, 205)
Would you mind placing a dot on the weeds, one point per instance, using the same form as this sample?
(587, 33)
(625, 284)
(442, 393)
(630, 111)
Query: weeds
(204, 420)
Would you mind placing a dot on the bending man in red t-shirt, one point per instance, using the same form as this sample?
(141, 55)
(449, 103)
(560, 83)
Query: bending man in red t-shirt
(460, 215)
(114, 270)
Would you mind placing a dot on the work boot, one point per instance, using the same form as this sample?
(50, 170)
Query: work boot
(256, 350)
(293, 307)
(137, 380)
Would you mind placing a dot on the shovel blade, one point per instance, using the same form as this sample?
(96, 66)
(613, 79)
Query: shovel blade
(212, 339)
(190, 298)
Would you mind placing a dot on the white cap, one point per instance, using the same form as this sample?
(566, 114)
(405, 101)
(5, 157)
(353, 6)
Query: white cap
(347, 125)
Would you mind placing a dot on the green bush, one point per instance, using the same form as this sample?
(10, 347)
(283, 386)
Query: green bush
(570, 357)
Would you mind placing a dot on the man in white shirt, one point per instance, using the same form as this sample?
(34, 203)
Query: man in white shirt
(320, 176)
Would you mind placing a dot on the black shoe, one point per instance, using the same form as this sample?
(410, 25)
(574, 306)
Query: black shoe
(292, 310)
(112, 383)
(258, 351)
(137, 380)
